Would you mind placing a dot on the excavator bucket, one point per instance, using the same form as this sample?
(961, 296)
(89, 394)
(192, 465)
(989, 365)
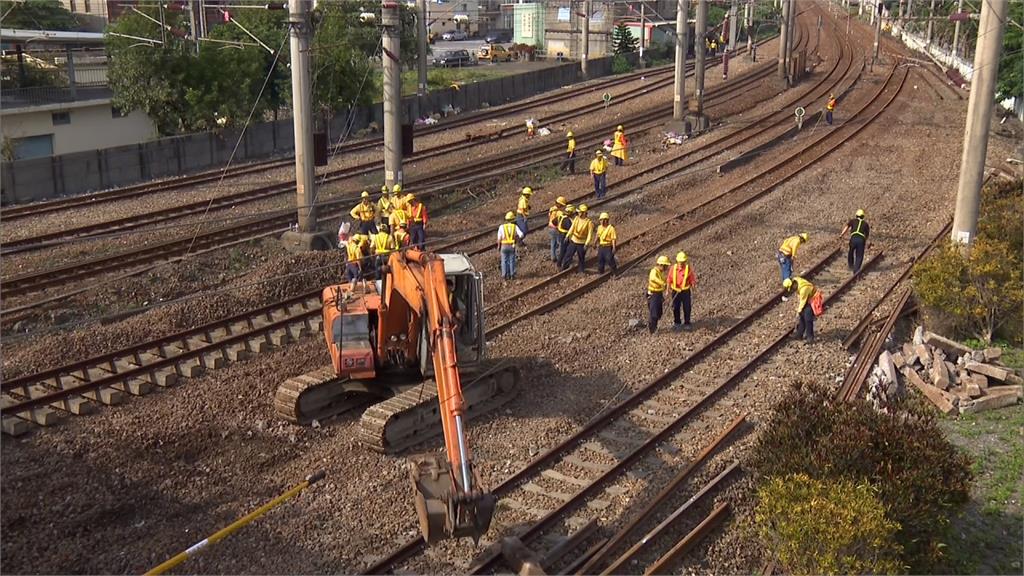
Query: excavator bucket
(442, 511)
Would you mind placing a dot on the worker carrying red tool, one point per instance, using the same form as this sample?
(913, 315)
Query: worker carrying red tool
(656, 284)
(417, 213)
(599, 169)
(364, 214)
(580, 234)
(570, 154)
(620, 146)
(681, 280)
(811, 304)
(859, 230)
(509, 234)
(523, 209)
(564, 225)
(555, 213)
(605, 242)
(787, 251)
(830, 107)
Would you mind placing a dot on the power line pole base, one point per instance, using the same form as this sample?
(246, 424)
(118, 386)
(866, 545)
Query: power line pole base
(296, 242)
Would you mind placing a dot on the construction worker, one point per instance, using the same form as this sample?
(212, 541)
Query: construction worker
(382, 245)
(399, 213)
(681, 278)
(788, 251)
(523, 209)
(354, 258)
(598, 168)
(401, 236)
(829, 108)
(580, 234)
(805, 313)
(656, 284)
(509, 234)
(620, 145)
(570, 154)
(555, 214)
(417, 221)
(531, 128)
(564, 225)
(385, 205)
(859, 230)
(364, 214)
(605, 243)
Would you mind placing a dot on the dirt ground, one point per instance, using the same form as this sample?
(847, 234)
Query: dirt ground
(123, 490)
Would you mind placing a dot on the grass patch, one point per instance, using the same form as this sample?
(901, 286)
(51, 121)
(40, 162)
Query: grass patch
(443, 78)
(988, 536)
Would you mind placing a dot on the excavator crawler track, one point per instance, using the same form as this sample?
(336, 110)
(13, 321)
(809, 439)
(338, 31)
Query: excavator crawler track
(412, 416)
(319, 395)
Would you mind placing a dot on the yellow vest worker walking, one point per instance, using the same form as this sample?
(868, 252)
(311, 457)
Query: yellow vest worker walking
(555, 214)
(354, 258)
(364, 214)
(805, 313)
(788, 251)
(681, 279)
(656, 284)
(830, 107)
(580, 234)
(564, 225)
(859, 230)
(620, 146)
(605, 242)
(417, 221)
(598, 168)
(570, 154)
(509, 235)
(523, 209)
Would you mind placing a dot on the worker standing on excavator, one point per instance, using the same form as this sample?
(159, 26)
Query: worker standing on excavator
(417, 221)
(523, 209)
(656, 284)
(580, 234)
(365, 213)
(564, 225)
(401, 236)
(354, 258)
(620, 146)
(787, 251)
(605, 243)
(383, 245)
(555, 213)
(509, 234)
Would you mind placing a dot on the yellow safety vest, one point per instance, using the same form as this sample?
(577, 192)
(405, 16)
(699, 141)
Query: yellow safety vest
(857, 232)
(524, 205)
(789, 246)
(398, 217)
(571, 147)
(401, 236)
(582, 231)
(353, 253)
(382, 243)
(606, 235)
(655, 281)
(509, 236)
(676, 283)
(598, 165)
(805, 290)
(562, 226)
(364, 212)
(554, 215)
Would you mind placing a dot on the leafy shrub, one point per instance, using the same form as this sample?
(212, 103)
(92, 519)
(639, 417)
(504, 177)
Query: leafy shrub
(620, 65)
(826, 527)
(921, 478)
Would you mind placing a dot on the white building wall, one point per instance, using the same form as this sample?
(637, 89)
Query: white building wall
(93, 125)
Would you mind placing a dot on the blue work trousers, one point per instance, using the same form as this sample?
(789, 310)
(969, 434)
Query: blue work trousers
(855, 257)
(828, 117)
(606, 257)
(521, 224)
(351, 272)
(600, 185)
(508, 261)
(417, 235)
(556, 244)
(574, 249)
(367, 227)
(785, 265)
(805, 323)
(681, 299)
(655, 304)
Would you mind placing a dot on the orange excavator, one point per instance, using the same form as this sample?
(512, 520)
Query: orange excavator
(403, 343)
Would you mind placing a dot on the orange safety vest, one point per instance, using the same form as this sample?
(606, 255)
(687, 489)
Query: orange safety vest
(419, 214)
(831, 104)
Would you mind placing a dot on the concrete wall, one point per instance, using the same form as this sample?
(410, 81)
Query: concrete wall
(96, 169)
(92, 126)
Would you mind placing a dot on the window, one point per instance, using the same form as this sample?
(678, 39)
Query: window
(116, 112)
(32, 146)
(61, 118)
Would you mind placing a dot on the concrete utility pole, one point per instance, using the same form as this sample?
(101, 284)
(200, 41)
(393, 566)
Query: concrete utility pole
(421, 61)
(700, 36)
(733, 25)
(783, 33)
(643, 35)
(682, 46)
(302, 110)
(979, 114)
(192, 22)
(750, 32)
(931, 16)
(956, 29)
(586, 37)
(878, 31)
(791, 37)
(390, 23)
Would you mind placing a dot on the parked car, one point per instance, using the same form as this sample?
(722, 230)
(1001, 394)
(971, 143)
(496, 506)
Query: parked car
(454, 35)
(453, 59)
(494, 53)
(498, 36)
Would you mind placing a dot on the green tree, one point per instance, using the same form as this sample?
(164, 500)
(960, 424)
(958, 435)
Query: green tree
(623, 40)
(1011, 65)
(37, 15)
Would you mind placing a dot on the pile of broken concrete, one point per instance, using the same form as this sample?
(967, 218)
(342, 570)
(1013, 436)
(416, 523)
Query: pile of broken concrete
(952, 376)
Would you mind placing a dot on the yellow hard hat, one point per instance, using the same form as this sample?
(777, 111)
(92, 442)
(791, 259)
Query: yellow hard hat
(410, 198)
(568, 134)
(804, 236)
(365, 194)
(681, 257)
(860, 213)
(527, 190)
(569, 208)
(663, 261)
(599, 152)
(397, 188)
(560, 200)
(619, 127)
(510, 216)
(603, 216)
(583, 208)
(384, 189)
(787, 283)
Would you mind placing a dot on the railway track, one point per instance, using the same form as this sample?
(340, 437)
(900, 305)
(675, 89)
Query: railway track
(14, 213)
